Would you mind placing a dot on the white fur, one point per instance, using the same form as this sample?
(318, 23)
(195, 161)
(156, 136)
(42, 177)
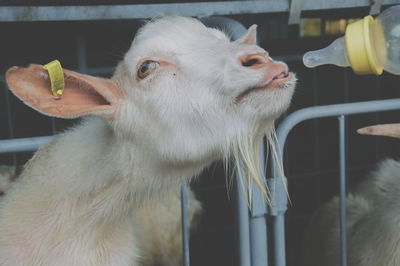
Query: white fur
(7, 173)
(76, 201)
(373, 223)
(158, 224)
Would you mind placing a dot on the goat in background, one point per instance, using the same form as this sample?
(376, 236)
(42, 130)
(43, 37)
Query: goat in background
(373, 218)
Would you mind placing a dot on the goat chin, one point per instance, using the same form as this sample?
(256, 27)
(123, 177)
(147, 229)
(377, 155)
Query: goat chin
(373, 224)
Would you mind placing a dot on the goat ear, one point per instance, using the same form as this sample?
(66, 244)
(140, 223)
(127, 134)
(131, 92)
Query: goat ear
(250, 36)
(389, 130)
(82, 95)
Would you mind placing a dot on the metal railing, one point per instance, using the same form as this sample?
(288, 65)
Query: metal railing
(198, 9)
(279, 194)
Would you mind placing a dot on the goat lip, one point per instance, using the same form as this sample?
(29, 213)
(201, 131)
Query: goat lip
(274, 83)
(282, 75)
(279, 80)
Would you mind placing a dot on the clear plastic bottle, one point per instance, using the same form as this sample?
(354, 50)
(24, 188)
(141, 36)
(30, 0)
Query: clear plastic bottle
(369, 46)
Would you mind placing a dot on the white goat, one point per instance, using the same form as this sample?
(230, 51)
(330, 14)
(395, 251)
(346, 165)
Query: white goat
(182, 97)
(373, 218)
(159, 223)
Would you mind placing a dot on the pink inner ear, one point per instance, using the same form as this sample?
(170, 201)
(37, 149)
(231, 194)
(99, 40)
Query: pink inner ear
(79, 92)
(82, 95)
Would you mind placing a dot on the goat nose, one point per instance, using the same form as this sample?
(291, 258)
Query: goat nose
(255, 60)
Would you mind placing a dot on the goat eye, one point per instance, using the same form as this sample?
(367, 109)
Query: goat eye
(146, 68)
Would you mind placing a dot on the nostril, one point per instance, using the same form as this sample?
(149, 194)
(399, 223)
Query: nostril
(251, 62)
(254, 60)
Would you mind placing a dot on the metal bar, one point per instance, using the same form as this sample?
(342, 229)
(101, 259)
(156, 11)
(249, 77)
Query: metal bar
(375, 7)
(53, 126)
(185, 225)
(342, 190)
(378, 89)
(279, 239)
(317, 161)
(139, 11)
(258, 231)
(23, 144)
(277, 187)
(258, 222)
(243, 224)
(295, 11)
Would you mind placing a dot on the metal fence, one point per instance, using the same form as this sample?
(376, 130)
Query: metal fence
(138, 9)
(341, 111)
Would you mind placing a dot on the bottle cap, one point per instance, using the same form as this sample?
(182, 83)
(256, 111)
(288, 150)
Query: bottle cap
(360, 46)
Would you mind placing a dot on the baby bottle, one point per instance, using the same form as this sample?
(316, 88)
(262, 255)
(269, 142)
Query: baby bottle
(369, 46)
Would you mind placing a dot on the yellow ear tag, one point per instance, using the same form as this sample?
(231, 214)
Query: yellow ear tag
(56, 77)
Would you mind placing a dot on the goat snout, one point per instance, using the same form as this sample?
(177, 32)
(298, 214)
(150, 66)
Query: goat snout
(255, 61)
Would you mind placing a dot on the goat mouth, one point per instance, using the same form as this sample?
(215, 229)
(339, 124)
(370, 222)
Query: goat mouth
(282, 75)
(276, 82)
